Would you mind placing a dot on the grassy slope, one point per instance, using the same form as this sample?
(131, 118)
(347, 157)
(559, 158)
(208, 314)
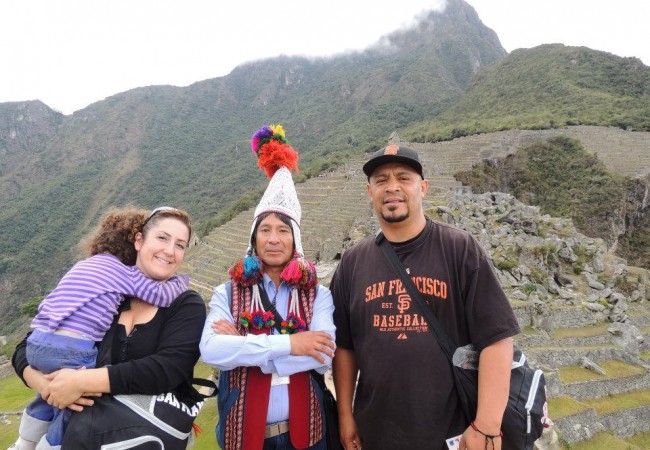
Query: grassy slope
(545, 87)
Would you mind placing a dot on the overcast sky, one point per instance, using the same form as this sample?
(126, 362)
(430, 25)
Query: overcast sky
(70, 53)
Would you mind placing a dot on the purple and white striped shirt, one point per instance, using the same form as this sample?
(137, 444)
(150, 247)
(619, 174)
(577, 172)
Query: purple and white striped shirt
(87, 297)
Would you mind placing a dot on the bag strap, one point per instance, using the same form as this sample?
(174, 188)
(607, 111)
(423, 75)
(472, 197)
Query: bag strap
(206, 383)
(268, 306)
(446, 344)
(320, 380)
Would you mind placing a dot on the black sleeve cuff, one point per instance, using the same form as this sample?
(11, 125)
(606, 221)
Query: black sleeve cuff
(19, 358)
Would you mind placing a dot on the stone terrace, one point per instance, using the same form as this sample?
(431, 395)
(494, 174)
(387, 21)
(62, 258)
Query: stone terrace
(624, 152)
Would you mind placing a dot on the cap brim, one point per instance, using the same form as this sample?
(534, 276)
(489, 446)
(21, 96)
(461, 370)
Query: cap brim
(372, 164)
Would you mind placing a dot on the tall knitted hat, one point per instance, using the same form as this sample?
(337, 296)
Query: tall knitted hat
(277, 159)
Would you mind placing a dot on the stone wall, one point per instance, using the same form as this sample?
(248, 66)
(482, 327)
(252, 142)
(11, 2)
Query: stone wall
(6, 370)
(603, 388)
(629, 422)
(579, 427)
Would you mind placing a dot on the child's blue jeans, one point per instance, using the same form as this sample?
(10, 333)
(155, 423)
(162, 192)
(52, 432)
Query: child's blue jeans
(48, 352)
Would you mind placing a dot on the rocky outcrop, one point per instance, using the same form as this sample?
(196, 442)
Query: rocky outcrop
(544, 260)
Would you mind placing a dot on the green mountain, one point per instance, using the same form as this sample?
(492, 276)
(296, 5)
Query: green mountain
(447, 76)
(188, 147)
(547, 87)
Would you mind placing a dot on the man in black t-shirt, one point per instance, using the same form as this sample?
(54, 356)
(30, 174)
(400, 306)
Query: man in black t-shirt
(405, 396)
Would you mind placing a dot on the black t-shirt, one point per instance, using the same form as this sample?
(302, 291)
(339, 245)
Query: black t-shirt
(405, 397)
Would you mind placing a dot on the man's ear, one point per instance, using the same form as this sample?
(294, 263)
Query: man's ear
(425, 187)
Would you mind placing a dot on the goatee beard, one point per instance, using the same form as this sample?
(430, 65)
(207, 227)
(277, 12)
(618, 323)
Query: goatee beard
(395, 219)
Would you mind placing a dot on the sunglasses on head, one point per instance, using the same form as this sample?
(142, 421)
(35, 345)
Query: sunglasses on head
(156, 211)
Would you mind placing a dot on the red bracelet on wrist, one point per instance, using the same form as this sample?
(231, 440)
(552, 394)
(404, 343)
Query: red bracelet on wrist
(489, 436)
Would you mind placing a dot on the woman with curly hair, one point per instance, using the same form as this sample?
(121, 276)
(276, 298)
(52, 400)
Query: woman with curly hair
(133, 254)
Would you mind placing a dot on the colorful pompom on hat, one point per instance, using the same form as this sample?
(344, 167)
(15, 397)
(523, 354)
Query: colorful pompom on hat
(277, 159)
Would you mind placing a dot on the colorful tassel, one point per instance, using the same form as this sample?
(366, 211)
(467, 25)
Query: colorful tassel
(252, 266)
(293, 324)
(300, 273)
(247, 271)
(257, 320)
(246, 319)
(265, 134)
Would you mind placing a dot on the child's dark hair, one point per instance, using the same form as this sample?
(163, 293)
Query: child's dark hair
(115, 234)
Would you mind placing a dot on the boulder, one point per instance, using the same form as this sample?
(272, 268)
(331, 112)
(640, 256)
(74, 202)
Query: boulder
(590, 365)
(626, 336)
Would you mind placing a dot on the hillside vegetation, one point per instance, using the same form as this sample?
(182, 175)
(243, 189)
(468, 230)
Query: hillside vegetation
(547, 87)
(188, 147)
(565, 181)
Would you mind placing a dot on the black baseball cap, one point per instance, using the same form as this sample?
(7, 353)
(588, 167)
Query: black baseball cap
(393, 154)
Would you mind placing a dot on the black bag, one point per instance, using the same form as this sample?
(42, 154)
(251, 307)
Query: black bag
(332, 437)
(135, 421)
(525, 415)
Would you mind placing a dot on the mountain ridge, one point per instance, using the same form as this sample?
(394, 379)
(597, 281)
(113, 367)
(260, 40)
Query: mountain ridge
(188, 146)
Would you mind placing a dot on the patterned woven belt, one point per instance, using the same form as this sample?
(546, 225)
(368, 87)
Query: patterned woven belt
(275, 429)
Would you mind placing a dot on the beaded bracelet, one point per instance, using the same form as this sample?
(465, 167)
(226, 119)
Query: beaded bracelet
(488, 437)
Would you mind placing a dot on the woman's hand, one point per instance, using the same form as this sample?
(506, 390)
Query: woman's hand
(65, 390)
(38, 381)
(82, 402)
(224, 327)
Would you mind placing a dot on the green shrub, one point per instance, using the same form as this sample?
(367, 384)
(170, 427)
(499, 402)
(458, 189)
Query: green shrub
(529, 288)
(30, 307)
(505, 264)
(537, 275)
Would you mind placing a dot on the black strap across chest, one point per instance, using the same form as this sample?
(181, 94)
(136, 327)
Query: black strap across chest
(444, 341)
(268, 306)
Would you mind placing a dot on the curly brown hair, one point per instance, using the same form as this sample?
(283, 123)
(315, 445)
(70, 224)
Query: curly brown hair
(115, 234)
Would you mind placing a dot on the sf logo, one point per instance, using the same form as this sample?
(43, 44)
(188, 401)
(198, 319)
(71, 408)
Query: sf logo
(403, 302)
